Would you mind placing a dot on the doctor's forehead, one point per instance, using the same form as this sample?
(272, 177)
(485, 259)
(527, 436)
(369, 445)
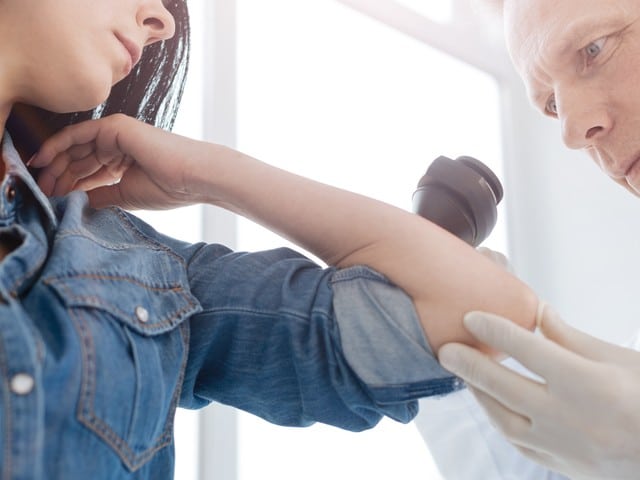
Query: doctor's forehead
(529, 24)
(534, 28)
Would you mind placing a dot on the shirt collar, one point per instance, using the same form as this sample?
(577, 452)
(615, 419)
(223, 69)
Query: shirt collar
(16, 167)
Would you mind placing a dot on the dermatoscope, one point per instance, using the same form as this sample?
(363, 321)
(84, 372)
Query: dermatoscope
(460, 196)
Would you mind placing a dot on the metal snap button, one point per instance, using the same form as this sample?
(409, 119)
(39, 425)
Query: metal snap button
(142, 314)
(10, 192)
(22, 384)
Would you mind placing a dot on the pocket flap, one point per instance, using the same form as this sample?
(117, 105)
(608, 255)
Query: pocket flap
(147, 308)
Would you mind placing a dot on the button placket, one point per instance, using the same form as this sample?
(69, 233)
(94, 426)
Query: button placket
(10, 192)
(8, 200)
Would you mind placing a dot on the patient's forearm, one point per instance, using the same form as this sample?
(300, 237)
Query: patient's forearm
(445, 277)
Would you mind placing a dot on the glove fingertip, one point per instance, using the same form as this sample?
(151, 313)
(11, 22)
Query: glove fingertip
(553, 326)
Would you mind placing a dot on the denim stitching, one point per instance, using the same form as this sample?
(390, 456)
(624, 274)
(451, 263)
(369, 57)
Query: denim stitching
(6, 467)
(85, 413)
(389, 394)
(133, 229)
(108, 246)
(358, 272)
(96, 302)
(97, 276)
(269, 313)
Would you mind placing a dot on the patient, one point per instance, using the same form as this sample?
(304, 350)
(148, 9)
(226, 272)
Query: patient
(115, 324)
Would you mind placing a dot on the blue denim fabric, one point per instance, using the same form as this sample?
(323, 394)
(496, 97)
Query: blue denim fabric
(106, 326)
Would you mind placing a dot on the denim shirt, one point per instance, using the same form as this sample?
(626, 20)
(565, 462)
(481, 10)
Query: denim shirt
(106, 326)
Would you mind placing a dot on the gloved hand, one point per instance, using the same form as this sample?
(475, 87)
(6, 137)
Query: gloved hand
(581, 417)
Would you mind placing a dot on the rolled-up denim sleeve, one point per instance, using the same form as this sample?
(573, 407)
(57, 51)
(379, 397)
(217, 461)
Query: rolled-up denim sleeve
(383, 340)
(295, 343)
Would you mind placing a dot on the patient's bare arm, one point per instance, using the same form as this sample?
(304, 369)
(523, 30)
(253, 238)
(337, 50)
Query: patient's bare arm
(444, 276)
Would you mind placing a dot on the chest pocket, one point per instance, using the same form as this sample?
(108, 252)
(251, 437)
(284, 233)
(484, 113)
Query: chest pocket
(134, 348)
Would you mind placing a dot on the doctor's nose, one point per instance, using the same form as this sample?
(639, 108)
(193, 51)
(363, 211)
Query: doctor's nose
(584, 121)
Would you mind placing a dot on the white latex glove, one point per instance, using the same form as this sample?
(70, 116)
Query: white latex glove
(582, 418)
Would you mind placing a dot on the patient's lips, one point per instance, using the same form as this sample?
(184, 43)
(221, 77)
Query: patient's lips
(134, 52)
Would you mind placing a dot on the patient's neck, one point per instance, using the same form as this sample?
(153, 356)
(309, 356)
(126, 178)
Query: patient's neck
(3, 120)
(5, 110)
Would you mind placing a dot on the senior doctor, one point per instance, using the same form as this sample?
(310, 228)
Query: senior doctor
(578, 415)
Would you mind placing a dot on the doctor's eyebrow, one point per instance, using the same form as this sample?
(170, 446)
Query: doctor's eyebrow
(579, 32)
(575, 37)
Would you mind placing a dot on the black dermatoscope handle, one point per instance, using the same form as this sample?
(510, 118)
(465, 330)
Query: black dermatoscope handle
(461, 196)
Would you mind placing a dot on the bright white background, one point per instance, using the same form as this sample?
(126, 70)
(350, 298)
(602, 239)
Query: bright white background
(341, 98)
(330, 93)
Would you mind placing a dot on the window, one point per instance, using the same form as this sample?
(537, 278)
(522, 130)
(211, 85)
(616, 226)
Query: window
(333, 95)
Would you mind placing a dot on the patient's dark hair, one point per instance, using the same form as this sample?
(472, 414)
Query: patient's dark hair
(151, 92)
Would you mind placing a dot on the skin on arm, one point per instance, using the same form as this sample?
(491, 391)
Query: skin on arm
(444, 276)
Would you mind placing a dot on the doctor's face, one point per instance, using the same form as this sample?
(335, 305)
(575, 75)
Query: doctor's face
(580, 61)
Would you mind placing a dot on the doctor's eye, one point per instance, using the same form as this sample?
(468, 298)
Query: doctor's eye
(551, 108)
(594, 48)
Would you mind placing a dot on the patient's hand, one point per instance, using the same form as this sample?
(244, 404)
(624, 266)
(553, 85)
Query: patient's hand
(120, 161)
